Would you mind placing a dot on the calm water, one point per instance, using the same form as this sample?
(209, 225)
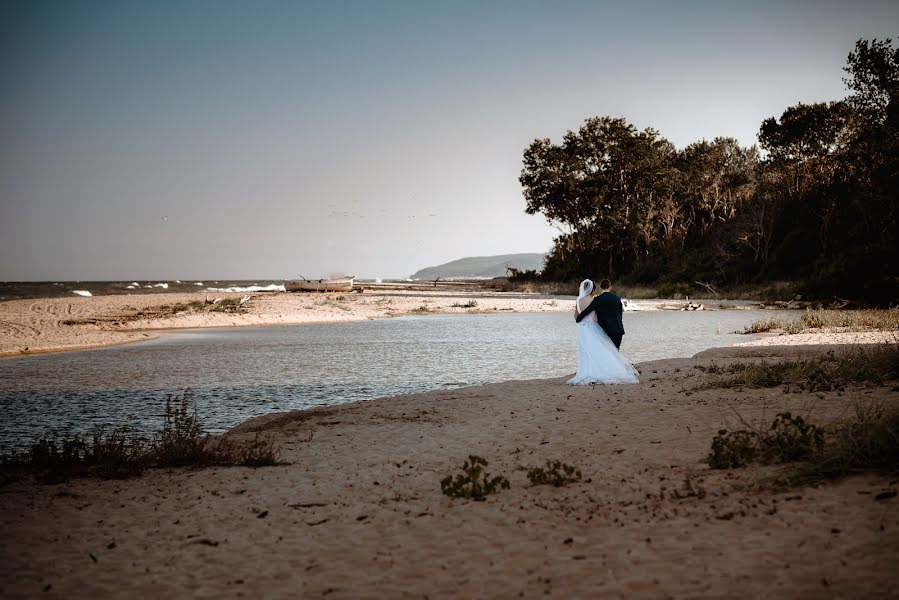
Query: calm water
(238, 373)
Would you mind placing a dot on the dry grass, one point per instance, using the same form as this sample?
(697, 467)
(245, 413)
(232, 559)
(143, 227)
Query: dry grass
(830, 372)
(874, 319)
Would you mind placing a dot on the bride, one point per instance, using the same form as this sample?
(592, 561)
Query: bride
(598, 360)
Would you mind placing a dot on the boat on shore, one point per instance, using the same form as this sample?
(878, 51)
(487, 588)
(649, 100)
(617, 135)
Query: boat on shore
(338, 284)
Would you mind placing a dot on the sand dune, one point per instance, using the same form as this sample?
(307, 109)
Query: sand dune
(358, 512)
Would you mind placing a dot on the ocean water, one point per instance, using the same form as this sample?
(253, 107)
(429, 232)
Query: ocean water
(11, 290)
(234, 374)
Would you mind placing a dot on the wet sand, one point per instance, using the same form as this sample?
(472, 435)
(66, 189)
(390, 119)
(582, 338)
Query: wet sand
(358, 512)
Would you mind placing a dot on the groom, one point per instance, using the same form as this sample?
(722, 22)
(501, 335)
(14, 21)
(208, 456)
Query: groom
(608, 312)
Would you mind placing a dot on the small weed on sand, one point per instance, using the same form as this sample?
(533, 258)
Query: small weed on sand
(474, 482)
(555, 473)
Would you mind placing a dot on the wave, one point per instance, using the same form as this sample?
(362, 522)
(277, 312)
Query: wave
(82, 292)
(198, 283)
(164, 286)
(275, 287)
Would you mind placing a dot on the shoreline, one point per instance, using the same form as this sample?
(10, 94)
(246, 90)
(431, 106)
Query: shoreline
(355, 508)
(38, 326)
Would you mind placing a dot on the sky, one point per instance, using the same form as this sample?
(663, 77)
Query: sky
(235, 140)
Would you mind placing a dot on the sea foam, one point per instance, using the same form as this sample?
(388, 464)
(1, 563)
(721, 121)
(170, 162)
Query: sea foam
(82, 292)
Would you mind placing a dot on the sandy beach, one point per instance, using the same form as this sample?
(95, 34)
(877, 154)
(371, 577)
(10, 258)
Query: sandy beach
(357, 510)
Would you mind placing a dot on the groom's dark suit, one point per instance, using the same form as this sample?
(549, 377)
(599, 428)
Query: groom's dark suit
(608, 312)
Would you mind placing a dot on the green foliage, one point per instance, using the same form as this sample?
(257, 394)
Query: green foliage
(474, 482)
(869, 440)
(732, 449)
(113, 455)
(791, 438)
(555, 473)
(180, 441)
(788, 439)
(820, 210)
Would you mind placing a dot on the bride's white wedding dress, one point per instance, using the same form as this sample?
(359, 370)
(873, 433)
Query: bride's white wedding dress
(598, 360)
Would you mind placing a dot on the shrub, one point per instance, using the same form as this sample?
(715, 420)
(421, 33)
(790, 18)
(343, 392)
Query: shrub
(474, 482)
(115, 455)
(733, 449)
(788, 439)
(555, 473)
(180, 441)
(791, 438)
(118, 454)
(869, 440)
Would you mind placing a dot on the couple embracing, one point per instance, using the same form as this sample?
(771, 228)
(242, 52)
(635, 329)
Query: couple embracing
(599, 332)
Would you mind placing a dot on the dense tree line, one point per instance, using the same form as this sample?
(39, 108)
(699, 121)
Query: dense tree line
(817, 204)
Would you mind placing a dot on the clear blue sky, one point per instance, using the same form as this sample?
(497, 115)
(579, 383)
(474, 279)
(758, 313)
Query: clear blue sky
(374, 138)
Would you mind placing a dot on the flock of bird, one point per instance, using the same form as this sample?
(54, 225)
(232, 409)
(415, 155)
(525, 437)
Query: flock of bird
(337, 212)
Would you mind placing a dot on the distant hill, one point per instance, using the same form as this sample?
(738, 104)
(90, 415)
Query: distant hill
(482, 266)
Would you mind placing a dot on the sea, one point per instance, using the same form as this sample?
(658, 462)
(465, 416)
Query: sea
(11, 290)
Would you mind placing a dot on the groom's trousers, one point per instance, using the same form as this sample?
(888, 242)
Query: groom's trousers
(616, 339)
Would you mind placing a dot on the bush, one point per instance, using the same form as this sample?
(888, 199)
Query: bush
(474, 482)
(180, 441)
(555, 473)
(788, 439)
(118, 454)
(733, 449)
(867, 441)
(115, 455)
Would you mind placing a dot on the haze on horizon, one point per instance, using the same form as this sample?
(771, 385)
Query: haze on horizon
(220, 139)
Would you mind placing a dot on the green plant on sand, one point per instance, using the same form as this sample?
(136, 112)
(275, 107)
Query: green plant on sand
(474, 482)
(555, 473)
